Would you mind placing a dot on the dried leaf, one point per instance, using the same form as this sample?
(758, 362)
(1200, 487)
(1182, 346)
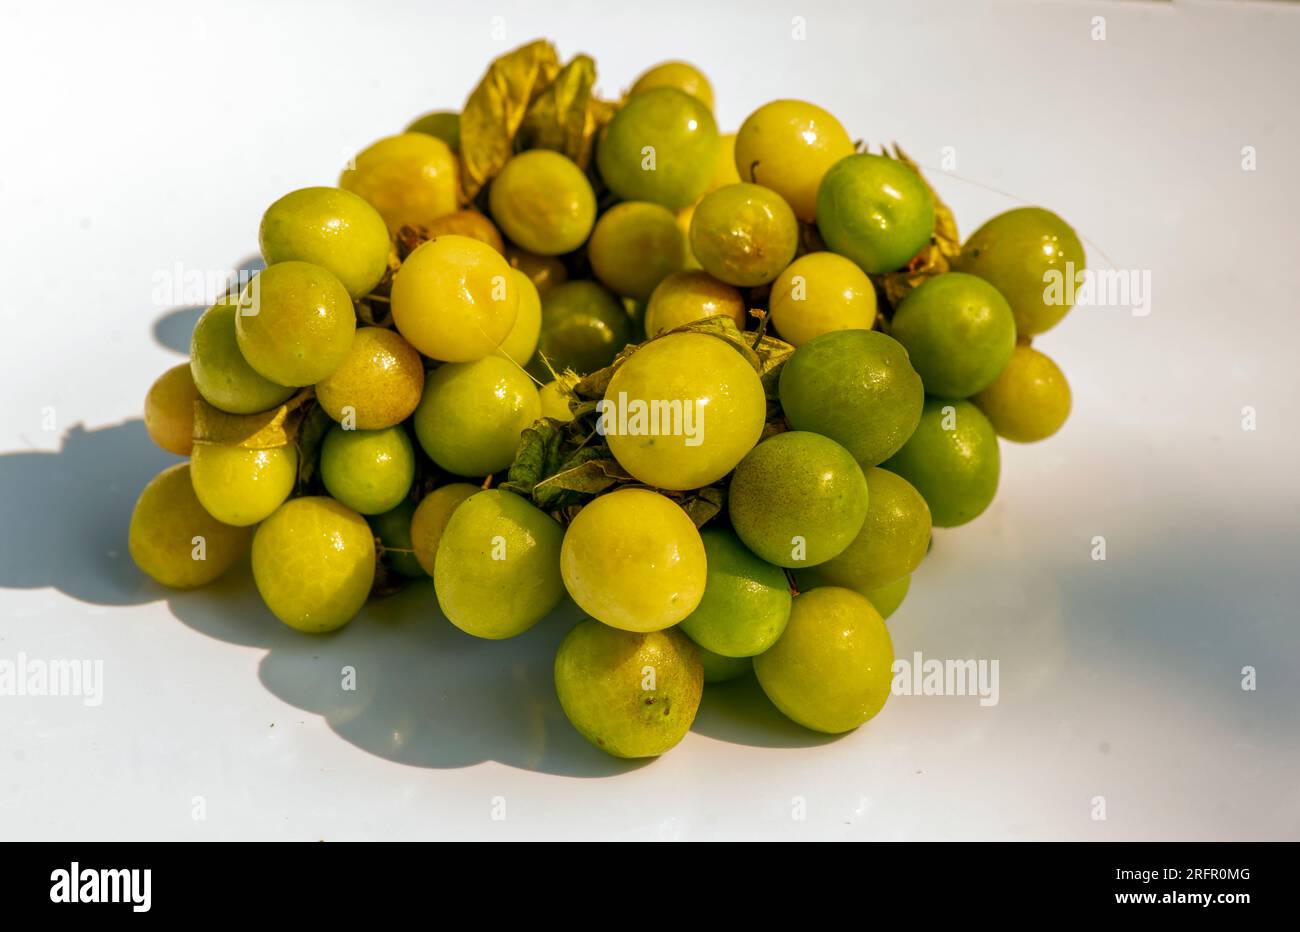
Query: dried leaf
(311, 434)
(496, 108)
(566, 117)
(264, 431)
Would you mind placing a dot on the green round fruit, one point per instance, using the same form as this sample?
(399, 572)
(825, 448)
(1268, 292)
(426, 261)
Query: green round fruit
(746, 601)
(431, 517)
(856, 387)
(441, 124)
(472, 414)
(314, 563)
(634, 246)
(661, 146)
(174, 539)
(831, 669)
(952, 459)
(888, 597)
(331, 228)
(240, 486)
(959, 333)
(497, 571)
(393, 528)
(711, 409)
(295, 323)
(221, 373)
(633, 559)
(1032, 257)
(876, 211)
(892, 542)
(370, 471)
(543, 202)
(630, 694)
(1029, 400)
(583, 328)
(744, 234)
(720, 669)
(797, 499)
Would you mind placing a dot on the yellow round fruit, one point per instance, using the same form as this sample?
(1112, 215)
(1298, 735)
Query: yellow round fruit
(682, 411)
(412, 179)
(1030, 400)
(378, 384)
(175, 540)
(634, 560)
(555, 402)
(521, 343)
(691, 295)
(169, 410)
(543, 202)
(240, 486)
(431, 517)
(818, 293)
(469, 223)
(679, 74)
(455, 299)
(788, 146)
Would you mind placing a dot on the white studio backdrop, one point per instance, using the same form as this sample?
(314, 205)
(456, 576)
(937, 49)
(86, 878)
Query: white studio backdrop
(142, 137)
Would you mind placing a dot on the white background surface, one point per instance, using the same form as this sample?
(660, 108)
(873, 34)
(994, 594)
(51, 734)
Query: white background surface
(136, 140)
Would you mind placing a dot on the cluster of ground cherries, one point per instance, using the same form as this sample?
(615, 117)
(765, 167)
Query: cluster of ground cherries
(882, 422)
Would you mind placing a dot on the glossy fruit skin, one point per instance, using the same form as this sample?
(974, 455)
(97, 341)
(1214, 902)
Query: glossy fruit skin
(788, 146)
(634, 246)
(720, 669)
(410, 178)
(332, 228)
(555, 402)
(497, 571)
(831, 669)
(673, 128)
(746, 600)
(240, 486)
(691, 295)
(955, 470)
(469, 223)
(295, 323)
(893, 540)
(679, 74)
(720, 398)
(888, 597)
(393, 528)
(377, 385)
(875, 211)
(600, 680)
(1029, 400)
(797, 485)
(633, 559)
(545, 272)
(958, 331)
(583, 328)
(455, 299)
(167, 519)
(169, 410)
(431, 517)
(543, 202)
(370, 471)
(472, 414)
(819, 293)
(314, 563)
(221, 373)
(1016, 252)
(744, 234)
(856, 387)
(441, 124)
(521, 342)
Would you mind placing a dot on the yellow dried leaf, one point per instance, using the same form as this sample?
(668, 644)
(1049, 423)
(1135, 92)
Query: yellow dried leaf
(567, 117)
(263, 431)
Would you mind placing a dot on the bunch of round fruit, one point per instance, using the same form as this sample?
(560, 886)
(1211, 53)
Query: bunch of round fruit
(717, 389)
